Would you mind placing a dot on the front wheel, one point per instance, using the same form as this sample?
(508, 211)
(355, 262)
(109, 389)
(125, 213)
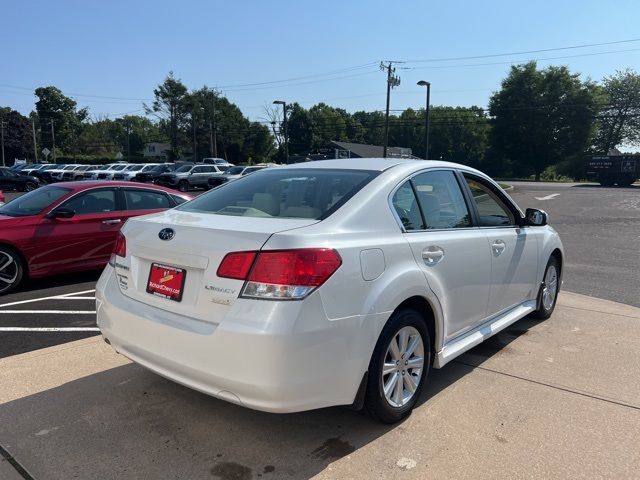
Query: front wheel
(548, 295)
(398, 367)
(30, 186)
(11, 270)
(183, 186)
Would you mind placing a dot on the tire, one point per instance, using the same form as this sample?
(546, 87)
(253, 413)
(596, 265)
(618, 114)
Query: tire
(385, 407)
(547, 299)
(183, 186)
(29, 186)
(12, 271)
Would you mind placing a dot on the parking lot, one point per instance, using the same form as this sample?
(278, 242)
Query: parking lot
(542, 399)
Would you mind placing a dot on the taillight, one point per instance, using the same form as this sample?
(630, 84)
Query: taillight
(281, 274)
(236, 265)
(121, 246)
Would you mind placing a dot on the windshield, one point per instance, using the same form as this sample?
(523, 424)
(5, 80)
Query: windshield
(117, 168)
(234, 171)
(69, 167)
(184, 168)
(287, 193)
(49, 167)
(162, 168)
(134, 168)
(34, 202)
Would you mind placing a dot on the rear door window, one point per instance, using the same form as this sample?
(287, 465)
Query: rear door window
(285, 193)
(146, 200)
(96, 201)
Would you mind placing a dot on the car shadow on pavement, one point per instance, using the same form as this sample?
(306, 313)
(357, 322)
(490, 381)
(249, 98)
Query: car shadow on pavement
(60, 281)
(127, 422)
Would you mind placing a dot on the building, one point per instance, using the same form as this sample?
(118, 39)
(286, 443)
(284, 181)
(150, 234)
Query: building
(156, 149)
(335, 149)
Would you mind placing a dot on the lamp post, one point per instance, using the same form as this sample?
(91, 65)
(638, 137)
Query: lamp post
(422, 83)
(286, 133)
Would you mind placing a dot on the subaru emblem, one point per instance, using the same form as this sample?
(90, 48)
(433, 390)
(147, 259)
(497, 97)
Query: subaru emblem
(166, 234)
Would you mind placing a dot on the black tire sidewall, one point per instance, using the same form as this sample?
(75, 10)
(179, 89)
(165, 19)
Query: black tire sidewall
(183, 186)
(27, 184)
(375, 402)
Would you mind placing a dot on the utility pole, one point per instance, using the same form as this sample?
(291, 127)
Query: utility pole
(53, 141)
(129, 142)
(392, 81)
(284, 124)
(195, 144)
(2, 124)
(35, 143)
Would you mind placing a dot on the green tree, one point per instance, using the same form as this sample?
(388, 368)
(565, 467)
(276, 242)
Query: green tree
(619, 120)
(542, 118)
(54, 106)
(171, 107)
(18, 138)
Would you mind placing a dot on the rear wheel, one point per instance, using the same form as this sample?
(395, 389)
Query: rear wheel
(398, 367)
(183, 186)
(549, 289)
(29, 186)
(11, 270)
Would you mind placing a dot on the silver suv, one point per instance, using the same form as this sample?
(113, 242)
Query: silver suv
(189, 176)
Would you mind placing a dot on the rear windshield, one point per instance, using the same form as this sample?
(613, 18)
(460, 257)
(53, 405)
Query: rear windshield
(283, 193)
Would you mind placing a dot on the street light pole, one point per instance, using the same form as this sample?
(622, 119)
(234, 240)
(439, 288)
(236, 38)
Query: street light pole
(2, 124)
(422, 83)
(53, 140)
(286, 133)
(195, 146)
(213, 130)
(35, 143)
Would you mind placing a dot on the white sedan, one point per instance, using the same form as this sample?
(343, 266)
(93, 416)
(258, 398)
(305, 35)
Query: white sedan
(338, 282)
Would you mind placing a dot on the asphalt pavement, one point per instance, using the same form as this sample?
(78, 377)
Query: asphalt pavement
(600, 229)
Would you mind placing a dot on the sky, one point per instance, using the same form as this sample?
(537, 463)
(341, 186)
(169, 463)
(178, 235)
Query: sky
(110, 55)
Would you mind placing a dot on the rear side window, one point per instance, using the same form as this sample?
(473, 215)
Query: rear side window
(284, 193)
(146, 200)
(431, 200)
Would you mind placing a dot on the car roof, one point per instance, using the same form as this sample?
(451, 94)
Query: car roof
(376, 164)
(86, 184)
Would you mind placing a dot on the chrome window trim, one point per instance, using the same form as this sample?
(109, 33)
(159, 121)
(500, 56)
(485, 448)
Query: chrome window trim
(408, 178)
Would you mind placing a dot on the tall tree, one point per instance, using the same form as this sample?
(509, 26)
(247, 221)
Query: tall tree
(619, 120)
(18, 138)
(54, 106)
(542, 117)
(171, 107)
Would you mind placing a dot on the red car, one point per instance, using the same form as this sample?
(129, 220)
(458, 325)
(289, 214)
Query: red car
(69, 227)
(2, 200)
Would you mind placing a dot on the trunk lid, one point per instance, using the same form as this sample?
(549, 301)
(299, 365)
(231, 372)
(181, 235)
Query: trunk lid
(199, 243)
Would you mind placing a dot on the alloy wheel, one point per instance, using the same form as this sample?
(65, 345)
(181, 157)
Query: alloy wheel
(9, 270)
(403, 364)
(550, 289)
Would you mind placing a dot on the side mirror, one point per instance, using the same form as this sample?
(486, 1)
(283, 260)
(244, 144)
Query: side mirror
(61, 213)
(535, 217)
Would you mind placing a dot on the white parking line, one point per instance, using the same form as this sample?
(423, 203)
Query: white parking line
(49, 329)
(65, 296)
(548, 197)
(72, 312)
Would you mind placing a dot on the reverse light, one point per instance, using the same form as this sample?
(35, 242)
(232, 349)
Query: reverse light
(281, 274)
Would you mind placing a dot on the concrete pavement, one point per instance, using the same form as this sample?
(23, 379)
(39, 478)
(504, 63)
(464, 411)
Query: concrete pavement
(552, 399)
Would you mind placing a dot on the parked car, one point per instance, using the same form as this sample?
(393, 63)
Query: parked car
(71, 226)
(12, 181)
(55, 174)
(32, 169)
(234, 173)
(44, 174)
(152, 174)
(340, 282)
(189, 176)
(92, 173)
(131, 171)
(216, 161)
(108, 173)
(75, 174)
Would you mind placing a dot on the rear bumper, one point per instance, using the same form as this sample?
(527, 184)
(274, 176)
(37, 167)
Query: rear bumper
(266, 355)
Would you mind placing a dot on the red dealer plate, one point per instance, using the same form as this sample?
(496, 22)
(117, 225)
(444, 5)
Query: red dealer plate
(166, 281)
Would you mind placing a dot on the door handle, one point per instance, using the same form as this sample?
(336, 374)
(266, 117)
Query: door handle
(498, 247)
(113, 221)
(432, 255)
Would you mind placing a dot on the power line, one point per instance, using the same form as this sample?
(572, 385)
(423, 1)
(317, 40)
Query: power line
(524, 52)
